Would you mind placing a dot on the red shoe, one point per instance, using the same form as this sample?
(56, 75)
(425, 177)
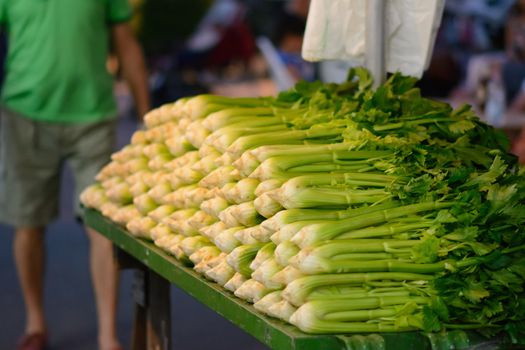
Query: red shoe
(34, 341)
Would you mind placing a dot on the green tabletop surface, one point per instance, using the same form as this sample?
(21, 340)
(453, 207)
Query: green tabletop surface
(272, 332)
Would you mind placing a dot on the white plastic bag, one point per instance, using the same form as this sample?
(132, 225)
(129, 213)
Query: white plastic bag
(335, 29)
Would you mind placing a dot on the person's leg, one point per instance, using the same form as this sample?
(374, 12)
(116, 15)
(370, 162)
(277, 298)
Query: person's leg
(29, 251)
(91, 146)
(29, 189)
(105, 284)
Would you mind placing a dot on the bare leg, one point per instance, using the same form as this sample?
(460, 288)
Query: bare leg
(29, 251)
(105, 283)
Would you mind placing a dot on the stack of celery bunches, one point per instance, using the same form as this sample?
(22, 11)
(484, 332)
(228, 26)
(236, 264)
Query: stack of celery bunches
(335, 207)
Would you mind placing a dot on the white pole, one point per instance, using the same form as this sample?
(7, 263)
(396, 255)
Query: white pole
(375, 40)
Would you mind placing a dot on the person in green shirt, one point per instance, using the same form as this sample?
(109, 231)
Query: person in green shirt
(57, 105)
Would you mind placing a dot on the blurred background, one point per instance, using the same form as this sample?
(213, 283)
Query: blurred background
(252, 48)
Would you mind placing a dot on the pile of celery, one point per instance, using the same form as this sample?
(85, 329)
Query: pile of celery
(337, 208)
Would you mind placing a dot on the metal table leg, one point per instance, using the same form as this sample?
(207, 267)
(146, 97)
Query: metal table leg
(139, 334)
(158, 313)
(151, 294)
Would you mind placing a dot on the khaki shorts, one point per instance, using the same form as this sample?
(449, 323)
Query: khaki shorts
(32, 154)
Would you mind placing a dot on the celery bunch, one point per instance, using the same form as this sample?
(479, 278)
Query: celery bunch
(335, 207)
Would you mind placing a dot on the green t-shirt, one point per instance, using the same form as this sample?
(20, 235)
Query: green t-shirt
(56, 61)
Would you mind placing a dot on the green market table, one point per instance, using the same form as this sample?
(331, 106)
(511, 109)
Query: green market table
(157, 270)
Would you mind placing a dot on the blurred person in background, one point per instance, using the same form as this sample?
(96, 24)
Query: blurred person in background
(513, 69)
(509, 75)
(58, 105)
(288, 38)
(221, 37)
(282, 54)
(501, 65)
(513, 73)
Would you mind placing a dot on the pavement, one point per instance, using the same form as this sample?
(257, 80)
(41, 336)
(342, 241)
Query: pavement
(69, 301)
